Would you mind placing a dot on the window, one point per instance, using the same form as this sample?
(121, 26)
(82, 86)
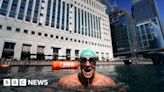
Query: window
(32, 32)
(13, 9)
(48, 13)
(92, 25)
(82, 21)
(26, 31)
(76, 52)
(62, 38)
(67, 19)
(43, 1)
(85, 23)
(79, 21)
(58, 14)
(68, 52)
(66, 38)
(1, 26)
(22, 9)
(41, 14)
(57, 37)
(4, 7)
(8, 28)
(40, 24)
(99, 29)
(29, 10)
(42, 7)
(36, 11)
(9, 45)
(53, 14)
(88, 17)
(39, 34)
(51, 36)
(63, 16)
(45, 35)
(17, 30)
(75, 15)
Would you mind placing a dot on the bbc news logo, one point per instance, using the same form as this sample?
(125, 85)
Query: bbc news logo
(24, 82)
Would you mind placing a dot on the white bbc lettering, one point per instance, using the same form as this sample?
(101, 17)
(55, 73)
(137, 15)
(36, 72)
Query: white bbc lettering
(6, 82)
(14, 82)
(46, 82)
(22, 82)
(42, 82)
(31, 82)
(38, 82)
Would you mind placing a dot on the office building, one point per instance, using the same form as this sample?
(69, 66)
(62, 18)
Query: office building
(149, 35)
(146, 12)
(149, 27)
(51, 29)
(123, 33)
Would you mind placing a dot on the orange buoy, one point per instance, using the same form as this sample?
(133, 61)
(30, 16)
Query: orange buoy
(64, 65)
(4, 65)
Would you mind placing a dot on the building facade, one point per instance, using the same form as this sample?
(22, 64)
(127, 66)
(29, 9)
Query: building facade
(146, 11)
(149, 35)
(123, 32)
(53, 29)
(146, 15)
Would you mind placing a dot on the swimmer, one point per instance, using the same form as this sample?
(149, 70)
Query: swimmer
(87, 77)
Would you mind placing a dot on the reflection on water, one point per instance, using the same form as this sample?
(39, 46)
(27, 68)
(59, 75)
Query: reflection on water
(137, 78)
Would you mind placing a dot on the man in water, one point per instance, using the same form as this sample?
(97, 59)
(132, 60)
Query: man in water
(88, 77)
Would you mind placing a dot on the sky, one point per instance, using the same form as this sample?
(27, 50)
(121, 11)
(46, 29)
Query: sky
(126, 5)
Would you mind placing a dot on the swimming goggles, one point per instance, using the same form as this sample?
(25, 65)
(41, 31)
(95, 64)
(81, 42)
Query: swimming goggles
(92, 61)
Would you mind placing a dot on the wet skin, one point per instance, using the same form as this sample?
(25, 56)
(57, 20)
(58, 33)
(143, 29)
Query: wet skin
(87, 78)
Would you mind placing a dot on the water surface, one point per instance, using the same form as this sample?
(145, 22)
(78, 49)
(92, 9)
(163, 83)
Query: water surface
(136, 78)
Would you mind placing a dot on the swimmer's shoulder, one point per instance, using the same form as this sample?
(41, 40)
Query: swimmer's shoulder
(68, 81)
(107, 81)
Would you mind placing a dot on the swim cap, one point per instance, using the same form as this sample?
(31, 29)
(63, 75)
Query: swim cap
(88, 53)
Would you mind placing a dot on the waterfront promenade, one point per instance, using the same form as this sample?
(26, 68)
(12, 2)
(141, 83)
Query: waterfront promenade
(49, 63)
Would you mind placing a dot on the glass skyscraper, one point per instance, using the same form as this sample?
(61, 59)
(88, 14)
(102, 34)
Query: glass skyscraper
(146, 15)
(143, 10)
(149, 35)
(123, 32)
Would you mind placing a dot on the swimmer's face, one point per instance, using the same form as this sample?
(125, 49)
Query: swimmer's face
(88, 67)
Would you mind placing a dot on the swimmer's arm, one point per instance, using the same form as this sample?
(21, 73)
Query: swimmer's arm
(66, 83)
(104, 82)
(61, 83)
(110, 82)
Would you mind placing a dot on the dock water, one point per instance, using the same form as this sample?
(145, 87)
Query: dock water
(49, 63)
